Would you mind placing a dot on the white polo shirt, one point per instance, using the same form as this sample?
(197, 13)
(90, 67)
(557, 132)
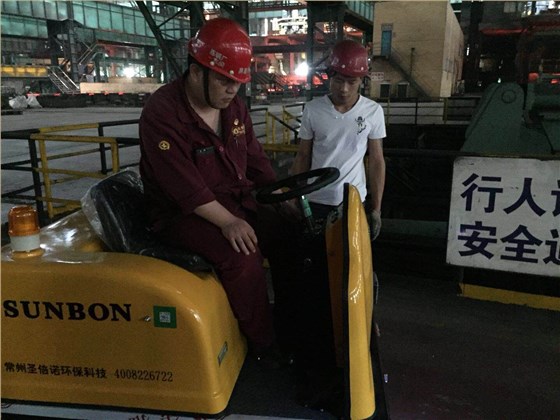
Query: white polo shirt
(341, 141)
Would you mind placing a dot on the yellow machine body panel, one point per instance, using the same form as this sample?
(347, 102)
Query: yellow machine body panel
(351, 287)
(360, 309)
(85, 327)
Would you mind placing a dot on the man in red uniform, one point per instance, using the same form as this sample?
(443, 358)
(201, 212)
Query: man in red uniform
(200, 161)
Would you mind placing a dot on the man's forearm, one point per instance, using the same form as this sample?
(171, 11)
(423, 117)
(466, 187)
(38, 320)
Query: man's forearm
(215, 213)
(302, 161)
(376, 183)
(236, 230)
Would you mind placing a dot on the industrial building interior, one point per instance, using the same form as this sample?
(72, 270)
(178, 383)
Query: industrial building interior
(99, 41)
(458, 81)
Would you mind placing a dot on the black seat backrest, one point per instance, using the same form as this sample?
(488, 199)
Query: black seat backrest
(120, 206)
(116, 208)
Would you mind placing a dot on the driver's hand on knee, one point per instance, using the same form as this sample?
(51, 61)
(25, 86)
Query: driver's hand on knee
(241, 236)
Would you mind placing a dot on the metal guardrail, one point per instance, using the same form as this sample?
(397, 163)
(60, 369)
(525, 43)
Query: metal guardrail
(289, 124)
(41, 168)
(39, 163)
(454, 110)
(414, 111)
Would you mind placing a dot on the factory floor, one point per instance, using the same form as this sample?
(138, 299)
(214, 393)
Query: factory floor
(449, 357)
(445, 356)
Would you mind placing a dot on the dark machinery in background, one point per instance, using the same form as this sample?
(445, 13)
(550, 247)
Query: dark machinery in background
(512, 119)
(508, 41)
(68, 43)
(315, 44)
(237, 11)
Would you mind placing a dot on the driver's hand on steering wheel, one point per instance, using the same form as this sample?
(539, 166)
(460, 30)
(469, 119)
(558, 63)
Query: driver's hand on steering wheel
(241, 236)
(289, 209)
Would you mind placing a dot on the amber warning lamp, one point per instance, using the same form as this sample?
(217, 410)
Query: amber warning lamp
(23, 228)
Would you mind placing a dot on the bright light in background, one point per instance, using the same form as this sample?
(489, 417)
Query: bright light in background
(302, 69)
(129, 72)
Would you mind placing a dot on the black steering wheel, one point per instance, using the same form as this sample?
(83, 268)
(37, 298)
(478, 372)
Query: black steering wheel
(297, 188)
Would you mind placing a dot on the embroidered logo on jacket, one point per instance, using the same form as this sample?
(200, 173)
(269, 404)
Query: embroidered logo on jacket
(164, 145)
(361, 124)
(237, 129)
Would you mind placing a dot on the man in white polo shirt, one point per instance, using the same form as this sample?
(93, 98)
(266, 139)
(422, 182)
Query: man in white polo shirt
(337, 130)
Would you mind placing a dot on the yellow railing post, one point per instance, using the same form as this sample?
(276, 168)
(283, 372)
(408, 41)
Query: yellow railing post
(115, 157)
(46, 170)
(288, 117)
(267, 126)
(270, 145)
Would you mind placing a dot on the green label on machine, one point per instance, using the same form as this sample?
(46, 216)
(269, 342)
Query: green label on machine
(165, 317)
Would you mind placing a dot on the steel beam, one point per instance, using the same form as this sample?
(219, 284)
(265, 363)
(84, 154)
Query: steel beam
(160, 39)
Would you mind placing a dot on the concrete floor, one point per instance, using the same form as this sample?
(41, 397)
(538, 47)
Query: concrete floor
(447, 357)
(450, 357)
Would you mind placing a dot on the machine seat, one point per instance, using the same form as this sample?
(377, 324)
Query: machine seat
(116, 209)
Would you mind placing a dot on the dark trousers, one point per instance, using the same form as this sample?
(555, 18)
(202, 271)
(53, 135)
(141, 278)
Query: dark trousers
(298, 264)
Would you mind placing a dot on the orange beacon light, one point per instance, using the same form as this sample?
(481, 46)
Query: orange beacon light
(23, 229)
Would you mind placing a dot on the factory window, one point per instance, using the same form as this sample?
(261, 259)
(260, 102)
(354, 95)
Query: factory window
(117, 21)
(10, 7)
(78, 11)
(402, 90)
(386, 39)
(105, 19)
(50, 9)
(62, 11)
(384, 90)
(10, 26)
(42, 29)
(91, 17)
(128, 23)
(25, 8)
(31, 28)
(140, 25)
(38, 9)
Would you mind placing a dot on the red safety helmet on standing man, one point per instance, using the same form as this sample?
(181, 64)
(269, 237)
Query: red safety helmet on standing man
(223, 46)
(349, 58)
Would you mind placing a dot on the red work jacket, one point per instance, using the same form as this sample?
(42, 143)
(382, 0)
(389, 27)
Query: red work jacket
(185, 164)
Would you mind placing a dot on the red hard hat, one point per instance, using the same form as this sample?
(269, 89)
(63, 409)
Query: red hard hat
(223, 46)
(349, 58)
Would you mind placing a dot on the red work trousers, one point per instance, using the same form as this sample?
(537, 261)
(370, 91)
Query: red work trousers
(242, 276)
